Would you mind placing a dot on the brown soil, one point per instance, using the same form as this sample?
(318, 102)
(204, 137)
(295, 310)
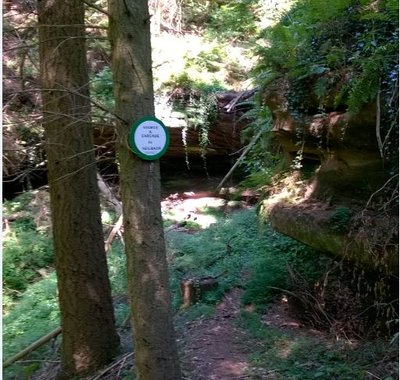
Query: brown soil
(214, 348)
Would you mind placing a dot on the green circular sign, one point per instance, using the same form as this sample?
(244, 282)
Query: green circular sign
(149, 138)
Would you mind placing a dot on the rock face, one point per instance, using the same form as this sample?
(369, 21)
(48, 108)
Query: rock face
(343, 147)
(340, 155)
(223, 134)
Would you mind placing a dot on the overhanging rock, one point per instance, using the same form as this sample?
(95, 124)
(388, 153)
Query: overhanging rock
(367, 239)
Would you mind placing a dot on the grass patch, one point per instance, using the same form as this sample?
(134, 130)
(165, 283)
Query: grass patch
(35, 315)
(238, 244)
(288, 355)
(197, 311)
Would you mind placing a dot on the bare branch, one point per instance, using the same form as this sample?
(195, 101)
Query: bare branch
(378, 123)
(91, 5)
(93, 102)
(24, 46)
(380, 189)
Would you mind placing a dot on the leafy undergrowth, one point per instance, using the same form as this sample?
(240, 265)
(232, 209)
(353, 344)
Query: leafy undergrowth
(283, 354)
(238, 252)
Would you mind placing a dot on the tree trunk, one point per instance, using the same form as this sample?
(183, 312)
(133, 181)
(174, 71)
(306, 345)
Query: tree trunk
(155, 347)
(87, 318)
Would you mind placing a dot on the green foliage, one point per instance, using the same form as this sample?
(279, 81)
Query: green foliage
(199, 310)
(101, 88)
(36, 312)
(234, 20)
(29, 299)
(116, 261)
(293, 356)
(26, 249)
(223, 20)
(210, 60)
(35, 315)
(270, 271)
(338, 55)
(340, 218)
(263, 160)
(197, 100)
(236, 244)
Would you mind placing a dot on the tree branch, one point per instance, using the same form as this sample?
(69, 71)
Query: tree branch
(378, 123)
(240, 159)
(91, 5)
(34, 346)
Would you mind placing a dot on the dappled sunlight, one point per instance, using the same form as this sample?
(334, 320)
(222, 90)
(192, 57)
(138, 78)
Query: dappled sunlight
(189, 208)
(291, 189)
(284, 348)
(150, 279)
(230, 367)
(173, 62)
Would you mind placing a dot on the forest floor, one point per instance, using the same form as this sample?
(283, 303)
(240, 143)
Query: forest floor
(215, 347)
(218, 342)
(212, 346)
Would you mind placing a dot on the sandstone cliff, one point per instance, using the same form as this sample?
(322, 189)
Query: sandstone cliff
(342, 197)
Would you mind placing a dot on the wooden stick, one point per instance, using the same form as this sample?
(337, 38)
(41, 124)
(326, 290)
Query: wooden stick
(114, 231)
(240, 159)
(40, 342)
(123, 358)
(378, 123)
(34, 346)
(243, 95)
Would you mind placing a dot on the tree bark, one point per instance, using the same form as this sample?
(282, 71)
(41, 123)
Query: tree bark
(156, 354)
(87, 318)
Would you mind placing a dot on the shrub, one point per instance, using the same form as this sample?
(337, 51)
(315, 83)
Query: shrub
(346, 50)
(26, 248)
(340, 218)
(235, 245)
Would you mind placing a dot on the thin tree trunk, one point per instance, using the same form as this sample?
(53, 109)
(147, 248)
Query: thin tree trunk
(87, 319)
(155, 347)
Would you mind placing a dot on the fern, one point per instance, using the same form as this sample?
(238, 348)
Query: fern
(365, 87)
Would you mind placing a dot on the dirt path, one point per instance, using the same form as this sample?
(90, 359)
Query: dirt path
(214, 348)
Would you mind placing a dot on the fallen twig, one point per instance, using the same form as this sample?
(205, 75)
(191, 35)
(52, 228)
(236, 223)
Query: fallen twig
(109, 368)
(378, 123)
(379, 190)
